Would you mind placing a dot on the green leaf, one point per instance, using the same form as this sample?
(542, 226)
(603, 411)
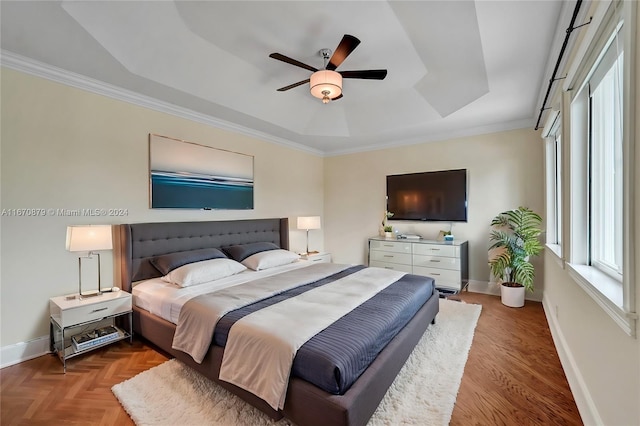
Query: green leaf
(516, 231)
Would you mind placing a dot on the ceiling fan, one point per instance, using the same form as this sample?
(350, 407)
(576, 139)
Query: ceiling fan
(326, 84)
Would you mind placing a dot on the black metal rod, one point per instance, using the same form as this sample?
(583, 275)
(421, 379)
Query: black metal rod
(555, 70)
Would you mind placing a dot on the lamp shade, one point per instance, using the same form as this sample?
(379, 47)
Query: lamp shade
(326, 85)
(89, 238)
(309, 222)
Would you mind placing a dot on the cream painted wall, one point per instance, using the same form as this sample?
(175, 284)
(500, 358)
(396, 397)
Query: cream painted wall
(504, 171)
(64, 148)
(602, 361)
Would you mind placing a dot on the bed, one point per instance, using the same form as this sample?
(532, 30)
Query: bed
(306, 403)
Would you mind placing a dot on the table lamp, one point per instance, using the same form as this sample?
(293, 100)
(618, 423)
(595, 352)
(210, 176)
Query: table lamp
(90, 239)
(309, 222)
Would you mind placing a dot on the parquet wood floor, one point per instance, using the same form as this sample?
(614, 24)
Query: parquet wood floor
(513, 376)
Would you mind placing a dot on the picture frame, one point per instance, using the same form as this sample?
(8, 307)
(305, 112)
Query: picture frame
(187, 175)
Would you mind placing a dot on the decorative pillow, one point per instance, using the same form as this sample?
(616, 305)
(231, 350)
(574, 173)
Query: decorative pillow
(242, 251)
(168, 262)
(270, 259)
(204, 271)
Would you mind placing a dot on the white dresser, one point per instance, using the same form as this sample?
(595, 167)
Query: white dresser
(444, 261)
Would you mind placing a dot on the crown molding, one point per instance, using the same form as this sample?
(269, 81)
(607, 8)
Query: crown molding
(30, 66)
(443, 136)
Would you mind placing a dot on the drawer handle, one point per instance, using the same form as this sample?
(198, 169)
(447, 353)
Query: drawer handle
(433, 273)
(98, 310)
(388, 255)
(434, 261)
(388, 267)
(434, 249)
(388, 245)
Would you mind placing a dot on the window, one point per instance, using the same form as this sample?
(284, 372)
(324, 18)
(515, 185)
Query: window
(554, 183)
(605, 162)
(600, 222)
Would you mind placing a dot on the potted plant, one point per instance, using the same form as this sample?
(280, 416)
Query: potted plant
(386, 228)
(514, 239)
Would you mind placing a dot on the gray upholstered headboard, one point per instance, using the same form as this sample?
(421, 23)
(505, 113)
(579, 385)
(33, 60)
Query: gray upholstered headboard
(135, 244)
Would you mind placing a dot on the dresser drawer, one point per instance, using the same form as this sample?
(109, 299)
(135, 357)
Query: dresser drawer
(441, 276)
(436, 250)
(451, 263)
(392, 246)
(393, 266)
(90, 309)
(390, 257)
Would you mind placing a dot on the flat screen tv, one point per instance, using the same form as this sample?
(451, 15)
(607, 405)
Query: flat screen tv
(428, 196)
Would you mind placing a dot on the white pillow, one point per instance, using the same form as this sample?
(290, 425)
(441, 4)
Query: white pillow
(204, 271)
(270, 259)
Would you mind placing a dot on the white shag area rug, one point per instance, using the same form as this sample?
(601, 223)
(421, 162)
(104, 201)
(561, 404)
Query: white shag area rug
(423, 393)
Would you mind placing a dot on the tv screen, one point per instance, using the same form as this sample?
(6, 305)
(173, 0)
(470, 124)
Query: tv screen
(428, 196)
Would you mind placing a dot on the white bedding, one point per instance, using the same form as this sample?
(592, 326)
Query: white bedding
(166, 300)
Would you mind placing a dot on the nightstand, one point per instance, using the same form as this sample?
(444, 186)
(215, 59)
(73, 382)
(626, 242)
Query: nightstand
(321, 257)
(73, 323)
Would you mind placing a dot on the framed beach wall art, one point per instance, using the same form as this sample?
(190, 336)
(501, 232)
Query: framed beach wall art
(187, 175)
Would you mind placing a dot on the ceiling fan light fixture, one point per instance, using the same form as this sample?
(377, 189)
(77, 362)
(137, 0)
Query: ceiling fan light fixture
(326, 85)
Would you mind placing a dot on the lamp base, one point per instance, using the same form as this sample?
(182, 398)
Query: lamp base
(93, 293)
(90, 294)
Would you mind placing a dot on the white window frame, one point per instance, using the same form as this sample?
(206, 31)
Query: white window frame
(554, 181)
(615, 296)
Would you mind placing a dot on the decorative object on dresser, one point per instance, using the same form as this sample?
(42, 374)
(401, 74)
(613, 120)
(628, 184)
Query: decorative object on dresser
(92, 320)
(444, 261)
(90, 239)
(514, 238)
(307, 223)
(386, 230)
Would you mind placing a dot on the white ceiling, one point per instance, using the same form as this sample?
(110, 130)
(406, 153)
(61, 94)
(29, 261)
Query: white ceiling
(455, 68)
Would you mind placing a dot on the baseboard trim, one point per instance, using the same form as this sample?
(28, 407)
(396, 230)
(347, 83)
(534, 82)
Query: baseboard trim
(483, 287)
(493, 289)
(579, 389)
(23, 351)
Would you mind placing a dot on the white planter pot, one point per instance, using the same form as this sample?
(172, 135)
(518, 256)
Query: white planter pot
(512, 296)
(388, 234)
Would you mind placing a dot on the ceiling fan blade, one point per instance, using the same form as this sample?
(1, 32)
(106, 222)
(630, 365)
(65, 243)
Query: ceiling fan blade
(344, 49)
(365, 74)
(288, 60)
(291, 86)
